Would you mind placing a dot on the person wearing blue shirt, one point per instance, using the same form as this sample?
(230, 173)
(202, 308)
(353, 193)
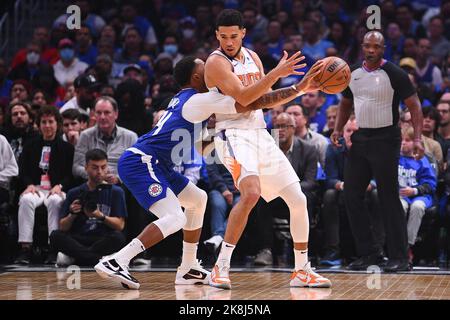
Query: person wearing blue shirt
(314, 46)
(313, 104)
(417, 182)
(92, 217)
(85, 50)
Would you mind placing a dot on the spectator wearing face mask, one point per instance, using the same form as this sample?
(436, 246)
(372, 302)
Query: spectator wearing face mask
(68, 67)
(28, 69)
(171, 47)
(41, 36)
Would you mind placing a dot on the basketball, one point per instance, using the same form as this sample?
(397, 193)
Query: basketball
(334, 76)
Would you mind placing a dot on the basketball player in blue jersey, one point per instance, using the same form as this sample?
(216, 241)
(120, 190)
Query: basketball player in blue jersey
(147, 170)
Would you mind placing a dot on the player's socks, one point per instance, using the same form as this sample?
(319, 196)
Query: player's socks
(225, 252)
(189, 254)
(129, 251)
(301, 258)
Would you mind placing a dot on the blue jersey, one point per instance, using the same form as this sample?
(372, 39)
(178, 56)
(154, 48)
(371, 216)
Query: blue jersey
(417, 174)
(171, 130)
(147, 168)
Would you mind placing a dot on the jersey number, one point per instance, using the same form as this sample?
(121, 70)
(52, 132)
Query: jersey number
(166, 115)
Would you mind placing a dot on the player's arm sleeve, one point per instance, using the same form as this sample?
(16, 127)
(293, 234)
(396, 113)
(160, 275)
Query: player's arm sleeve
(202, 105)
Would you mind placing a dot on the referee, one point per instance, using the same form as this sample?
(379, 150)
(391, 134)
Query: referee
(375, 90)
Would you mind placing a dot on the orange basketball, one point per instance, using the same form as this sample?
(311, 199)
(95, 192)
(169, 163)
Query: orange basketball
(334, 76)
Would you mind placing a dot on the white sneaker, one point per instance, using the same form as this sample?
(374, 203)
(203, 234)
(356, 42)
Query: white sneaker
(308, 278)
(110, 268)
(213, 243)
(220, 276)
(63, 260)
(194, 274)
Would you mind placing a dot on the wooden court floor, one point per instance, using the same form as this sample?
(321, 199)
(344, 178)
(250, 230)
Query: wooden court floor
(86, 285)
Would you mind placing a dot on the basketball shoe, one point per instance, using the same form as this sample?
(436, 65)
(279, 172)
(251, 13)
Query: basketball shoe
(194, 274)
(220, 277)
(308, 278)
(110, 268)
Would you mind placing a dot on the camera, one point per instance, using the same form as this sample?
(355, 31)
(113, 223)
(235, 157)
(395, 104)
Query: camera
(90, 198)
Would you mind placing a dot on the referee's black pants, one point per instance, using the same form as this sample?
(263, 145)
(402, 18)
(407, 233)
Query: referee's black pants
(375, 154)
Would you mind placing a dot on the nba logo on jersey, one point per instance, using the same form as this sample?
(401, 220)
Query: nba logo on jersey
(155, 189)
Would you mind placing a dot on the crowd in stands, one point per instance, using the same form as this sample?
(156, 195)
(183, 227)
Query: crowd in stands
(60, 144)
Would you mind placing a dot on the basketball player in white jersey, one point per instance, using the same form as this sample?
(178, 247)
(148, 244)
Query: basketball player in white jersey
(258, 166)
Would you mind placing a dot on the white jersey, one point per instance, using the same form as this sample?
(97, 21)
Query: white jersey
(248, 72)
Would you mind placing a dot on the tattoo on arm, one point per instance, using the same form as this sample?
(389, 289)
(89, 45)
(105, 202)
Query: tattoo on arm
(274, 98)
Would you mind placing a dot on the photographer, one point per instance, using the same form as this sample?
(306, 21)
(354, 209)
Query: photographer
(92, 217)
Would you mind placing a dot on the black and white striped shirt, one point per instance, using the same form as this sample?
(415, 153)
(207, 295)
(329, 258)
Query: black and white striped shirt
(376, 94)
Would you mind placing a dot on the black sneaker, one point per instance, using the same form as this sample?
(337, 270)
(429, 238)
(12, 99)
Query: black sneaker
(396, 265)
(110, 268)
(51, 258)
(364, 262)
(24, 257)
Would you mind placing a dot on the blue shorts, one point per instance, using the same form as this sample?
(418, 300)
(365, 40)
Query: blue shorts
(147, 178)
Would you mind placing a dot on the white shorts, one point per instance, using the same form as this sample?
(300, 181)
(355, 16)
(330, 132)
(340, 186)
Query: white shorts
(254, 152)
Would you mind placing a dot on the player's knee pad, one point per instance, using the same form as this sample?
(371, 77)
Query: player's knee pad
(299, 221)
(195, 214)
(170, 223)
(293, 196)
(171, 216)
(194, 200)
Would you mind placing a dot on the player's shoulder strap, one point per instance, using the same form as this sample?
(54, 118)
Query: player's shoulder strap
(218, 52)
(255, 58)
